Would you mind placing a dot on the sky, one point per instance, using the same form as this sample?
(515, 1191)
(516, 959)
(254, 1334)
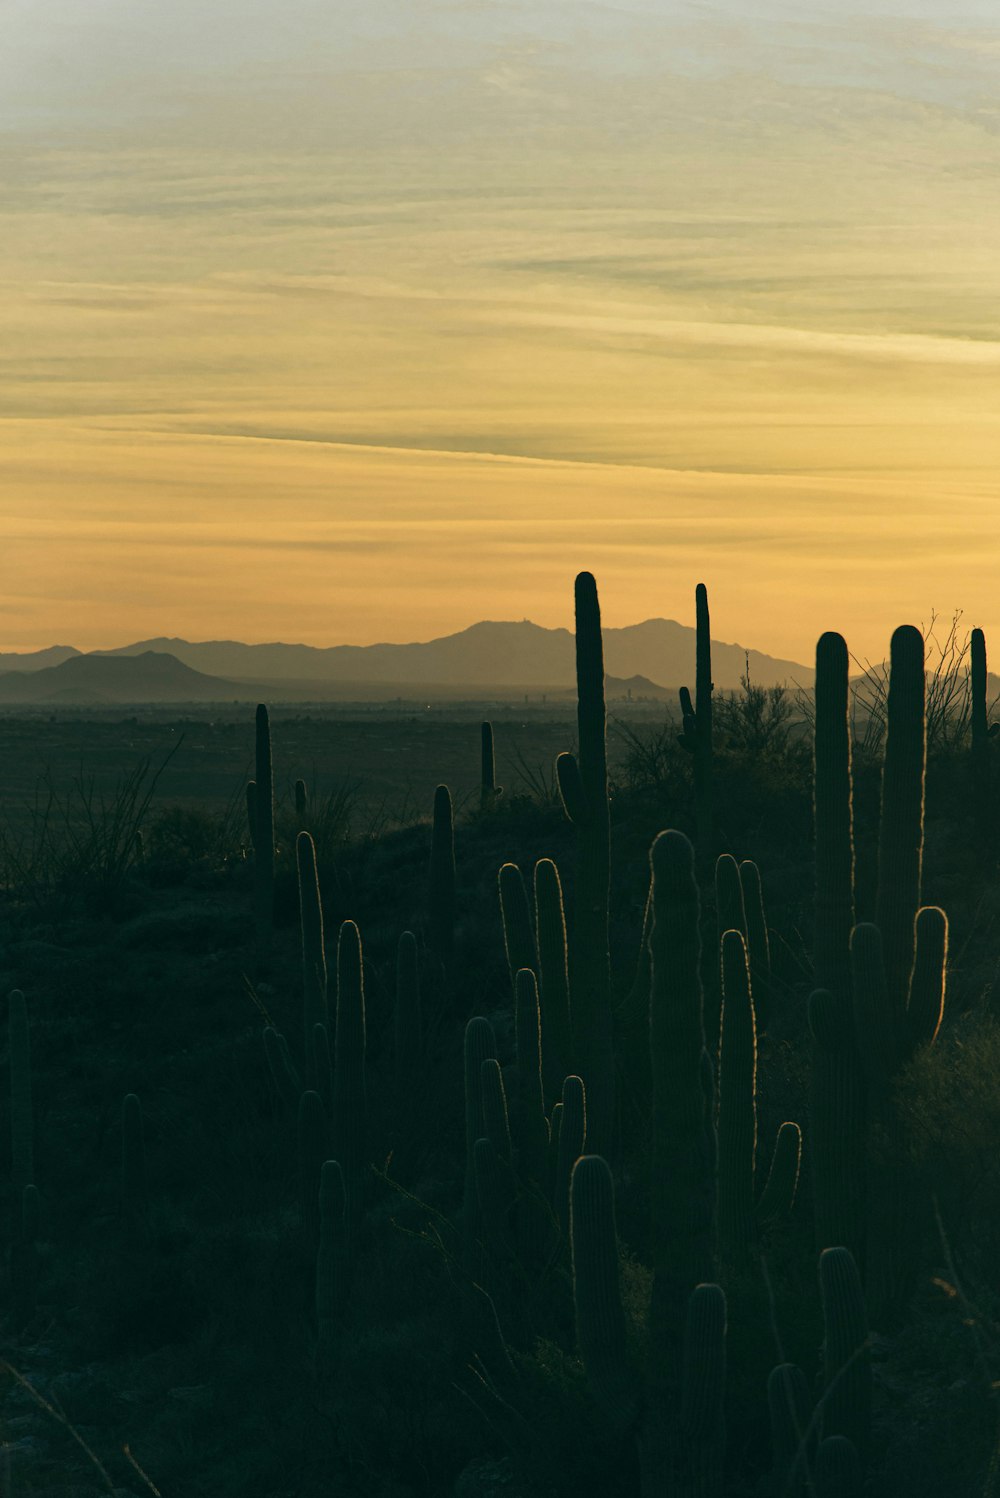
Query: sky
(356, 322)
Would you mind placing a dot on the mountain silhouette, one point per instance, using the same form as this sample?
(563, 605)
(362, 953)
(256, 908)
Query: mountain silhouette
(36, 660)
(88, 680)
(490, 654)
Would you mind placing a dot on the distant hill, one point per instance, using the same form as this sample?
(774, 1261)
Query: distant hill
(35, 660)
(491, 654)
(88, 680)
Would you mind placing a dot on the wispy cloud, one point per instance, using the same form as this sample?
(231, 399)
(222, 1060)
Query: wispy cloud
(653, 287)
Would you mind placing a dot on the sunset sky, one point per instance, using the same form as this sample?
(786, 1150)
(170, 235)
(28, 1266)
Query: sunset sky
(353, 322)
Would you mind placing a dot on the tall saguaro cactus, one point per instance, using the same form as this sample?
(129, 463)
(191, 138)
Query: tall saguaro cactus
(901, 829)
(982, 732)
(684, 1165)
(737, 1105)
(583, 784)
(838, 1106)
(314, 1006)
(696, 721)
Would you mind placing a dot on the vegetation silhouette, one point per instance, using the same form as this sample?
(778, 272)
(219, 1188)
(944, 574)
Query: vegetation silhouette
(350, 1158)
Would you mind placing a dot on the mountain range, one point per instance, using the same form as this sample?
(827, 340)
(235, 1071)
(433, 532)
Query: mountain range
(488, 658)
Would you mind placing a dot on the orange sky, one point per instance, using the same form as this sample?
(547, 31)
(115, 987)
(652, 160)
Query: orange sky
(370, 341)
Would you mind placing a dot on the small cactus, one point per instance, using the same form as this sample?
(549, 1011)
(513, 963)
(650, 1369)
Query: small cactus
(847, 1379)
(489, 791)
(301, 806)
(600, 1317)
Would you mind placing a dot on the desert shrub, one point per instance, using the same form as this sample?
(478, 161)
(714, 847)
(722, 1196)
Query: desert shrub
(76, 849)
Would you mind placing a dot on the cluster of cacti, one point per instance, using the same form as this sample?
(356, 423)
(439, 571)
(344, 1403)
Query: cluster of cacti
(547, 1142)
(880, 991)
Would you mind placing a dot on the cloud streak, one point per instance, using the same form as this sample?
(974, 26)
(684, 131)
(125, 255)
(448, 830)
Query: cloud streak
(364, 329)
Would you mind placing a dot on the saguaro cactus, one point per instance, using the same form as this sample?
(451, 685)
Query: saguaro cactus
(887, 1039)
(758, 943)
(350, 1126)
(982, 731)
(531, 1132)
(737, 1105)
(683, 1174)
(583, 784)
(480, 1046)
(681, 1438)
(489, 791)
(838, 1107)
(846, 1363)
(518, 937)
(314, 1005)
(553, 978)
(696, 720)
(301, 806)
(901, 828)
(600, 1317)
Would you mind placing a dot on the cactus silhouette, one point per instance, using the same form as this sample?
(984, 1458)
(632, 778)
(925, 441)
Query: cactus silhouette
(838, 1109)
(847, 1379)
(489, 791)
(518, 937)
(696, 726)
(350, 1111)
(737, 1105)
(553, 978)
(982, 731)
(480, 1045)
(583, 785)
(314, 1001)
